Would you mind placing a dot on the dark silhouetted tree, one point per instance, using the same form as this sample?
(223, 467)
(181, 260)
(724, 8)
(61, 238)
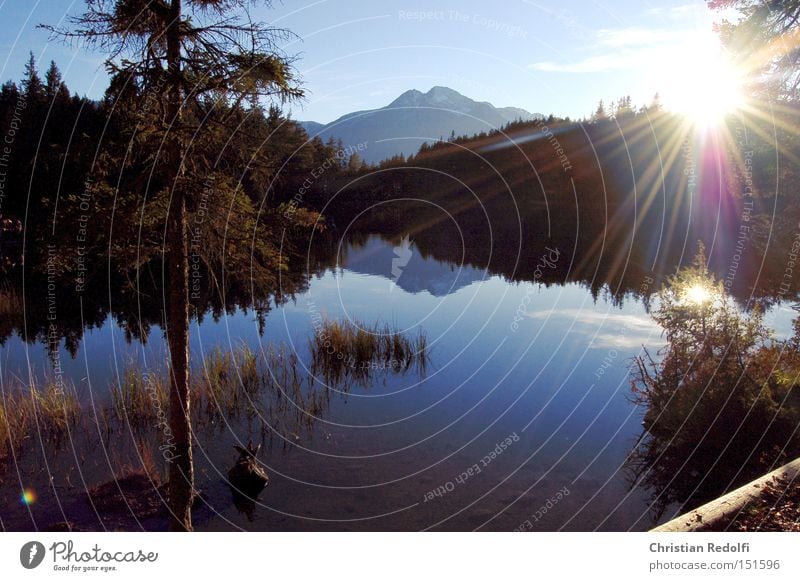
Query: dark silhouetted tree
(182, 53)
(32, 83)
(54, 87)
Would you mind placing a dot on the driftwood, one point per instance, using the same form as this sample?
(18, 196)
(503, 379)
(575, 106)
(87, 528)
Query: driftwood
(247, 477)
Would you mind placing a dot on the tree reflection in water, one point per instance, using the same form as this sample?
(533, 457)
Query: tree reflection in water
(721, 401)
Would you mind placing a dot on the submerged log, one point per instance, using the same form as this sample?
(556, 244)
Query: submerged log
(247, 477)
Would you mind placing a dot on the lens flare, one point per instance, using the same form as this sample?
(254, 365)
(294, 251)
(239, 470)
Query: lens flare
(28, 496)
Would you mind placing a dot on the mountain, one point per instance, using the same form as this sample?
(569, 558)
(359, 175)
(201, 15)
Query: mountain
(408, 269)
(312, 127)
(414, 118)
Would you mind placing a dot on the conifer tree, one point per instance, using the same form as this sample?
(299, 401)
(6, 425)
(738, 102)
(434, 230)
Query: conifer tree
(182, 53)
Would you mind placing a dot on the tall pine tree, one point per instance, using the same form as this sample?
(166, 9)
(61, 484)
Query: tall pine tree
(180, 54)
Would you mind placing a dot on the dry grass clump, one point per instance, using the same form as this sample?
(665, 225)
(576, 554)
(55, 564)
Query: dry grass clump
(270, 385)
(139, 395)
(25, 411)
(347, 350)
(10, 303)
(229, 382)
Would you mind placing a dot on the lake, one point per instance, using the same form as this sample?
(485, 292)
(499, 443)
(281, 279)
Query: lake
(521, 419)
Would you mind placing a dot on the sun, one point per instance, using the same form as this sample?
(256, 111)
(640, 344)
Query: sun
(703, 84)
(697, 294)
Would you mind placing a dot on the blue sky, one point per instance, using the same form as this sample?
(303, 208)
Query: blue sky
(549, 57)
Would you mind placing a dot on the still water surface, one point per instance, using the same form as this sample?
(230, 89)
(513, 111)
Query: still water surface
(521, 419)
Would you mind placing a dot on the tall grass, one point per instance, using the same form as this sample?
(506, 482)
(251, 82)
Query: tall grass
(270, 386)
(15, 413)
(230, 382)
(56, 409)
(10, 303)
(25, 411)
(139, 395)
(351, 351)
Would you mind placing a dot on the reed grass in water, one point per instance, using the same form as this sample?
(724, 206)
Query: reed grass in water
(270, 385)
(351, 351)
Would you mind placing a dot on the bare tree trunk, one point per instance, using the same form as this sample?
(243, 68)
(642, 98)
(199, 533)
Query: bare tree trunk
(181, 470)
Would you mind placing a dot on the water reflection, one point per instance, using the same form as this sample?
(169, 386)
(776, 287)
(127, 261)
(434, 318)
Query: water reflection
(518, 346)
(403, 263)
(721, 399)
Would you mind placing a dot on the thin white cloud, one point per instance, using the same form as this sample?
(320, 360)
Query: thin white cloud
(625, 60)
(637, 36)
(609, 330)
(633, 47)
(594, 318)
